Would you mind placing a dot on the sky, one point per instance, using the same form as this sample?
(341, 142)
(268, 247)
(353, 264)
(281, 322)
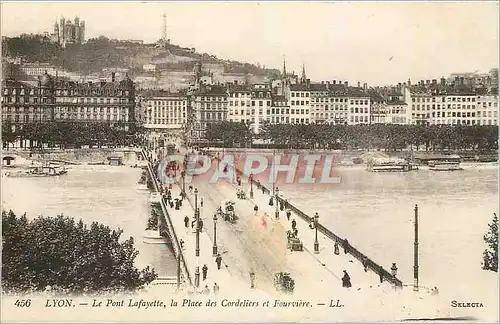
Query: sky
(374, 42)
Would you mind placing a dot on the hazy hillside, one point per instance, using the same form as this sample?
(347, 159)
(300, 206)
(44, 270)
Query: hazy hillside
(99, 53)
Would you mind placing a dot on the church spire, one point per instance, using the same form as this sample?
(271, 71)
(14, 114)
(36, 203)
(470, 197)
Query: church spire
(284, 67)
(303, 78)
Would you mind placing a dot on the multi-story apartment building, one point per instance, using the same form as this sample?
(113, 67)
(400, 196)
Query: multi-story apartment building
(487, 109)
(359, 106)
(299, 96)
(278, 113)
(35, 69)
(388, 108)
(261, 107)
(239, 98)
(208, 105)
(458, 104)
(329, 103)
(251, 104)
(59, 100)
(164, 110)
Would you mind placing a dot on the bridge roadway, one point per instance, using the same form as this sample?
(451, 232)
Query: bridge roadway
(248, 245)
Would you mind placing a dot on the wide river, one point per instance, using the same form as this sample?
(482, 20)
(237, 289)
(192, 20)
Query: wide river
(374, 210)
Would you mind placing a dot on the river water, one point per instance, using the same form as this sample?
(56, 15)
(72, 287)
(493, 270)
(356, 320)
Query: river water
(374, 210)
(93, 193)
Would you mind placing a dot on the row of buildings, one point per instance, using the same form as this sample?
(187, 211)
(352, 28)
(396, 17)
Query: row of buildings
(298, 101)
(57, 99)
(290, 99)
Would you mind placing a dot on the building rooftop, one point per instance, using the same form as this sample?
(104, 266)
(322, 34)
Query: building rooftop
(212, 90)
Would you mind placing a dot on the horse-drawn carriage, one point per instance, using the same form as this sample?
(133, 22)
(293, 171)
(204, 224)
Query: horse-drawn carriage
(226, 211)
(283, 282)
(293, 243)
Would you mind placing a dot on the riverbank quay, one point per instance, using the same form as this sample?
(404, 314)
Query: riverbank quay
(20, 157)
(307, 220)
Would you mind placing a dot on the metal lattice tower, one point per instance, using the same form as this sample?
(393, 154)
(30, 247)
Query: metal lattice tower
(164, 31)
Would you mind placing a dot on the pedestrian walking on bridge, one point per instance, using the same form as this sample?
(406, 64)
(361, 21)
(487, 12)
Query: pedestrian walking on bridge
(216, 288)
(346, 280)
(294, 224)
(201, 202)
(336, 248)
(218, 260)
(204, 270)
(288, 214)
(186, 221)
(200, 225)
(346, 246)
(365, 264)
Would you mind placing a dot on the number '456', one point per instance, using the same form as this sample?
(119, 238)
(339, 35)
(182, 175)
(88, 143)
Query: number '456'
(23, 303)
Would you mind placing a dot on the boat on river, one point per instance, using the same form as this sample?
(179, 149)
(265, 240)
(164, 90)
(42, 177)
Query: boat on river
(390, 165)
(154, 237)
(444, 166)
(39, 171)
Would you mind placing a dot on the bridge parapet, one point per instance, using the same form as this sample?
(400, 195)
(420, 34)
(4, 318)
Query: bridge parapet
(165, 219)
(329, 234)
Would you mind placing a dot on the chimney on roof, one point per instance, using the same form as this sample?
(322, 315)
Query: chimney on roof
(434, 81)
(359, 84)
(235, 82)
(443, 81)
(334, 81)
(90, 83)
(322, 82)
(365, 86)
(462, 80)
(327, 85)
(112, 76)
(409, 82)
(308, 83)
(346, 83)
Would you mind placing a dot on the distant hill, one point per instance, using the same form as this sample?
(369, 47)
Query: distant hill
(99, 53)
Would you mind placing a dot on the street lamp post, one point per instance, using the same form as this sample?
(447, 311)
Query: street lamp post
(197, 269)
(183, 174)
(197, 217)
(277, 213)
(251, 186)
(274, 180)
(415, 252)
(316, 243)
(215, 236)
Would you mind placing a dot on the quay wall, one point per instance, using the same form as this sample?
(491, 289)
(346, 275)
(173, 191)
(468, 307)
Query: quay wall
(325, 231)
(73, 156)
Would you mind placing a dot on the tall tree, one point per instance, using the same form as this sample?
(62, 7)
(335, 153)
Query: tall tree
(490, 255)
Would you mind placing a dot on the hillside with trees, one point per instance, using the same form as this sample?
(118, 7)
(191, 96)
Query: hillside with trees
(101, 52)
